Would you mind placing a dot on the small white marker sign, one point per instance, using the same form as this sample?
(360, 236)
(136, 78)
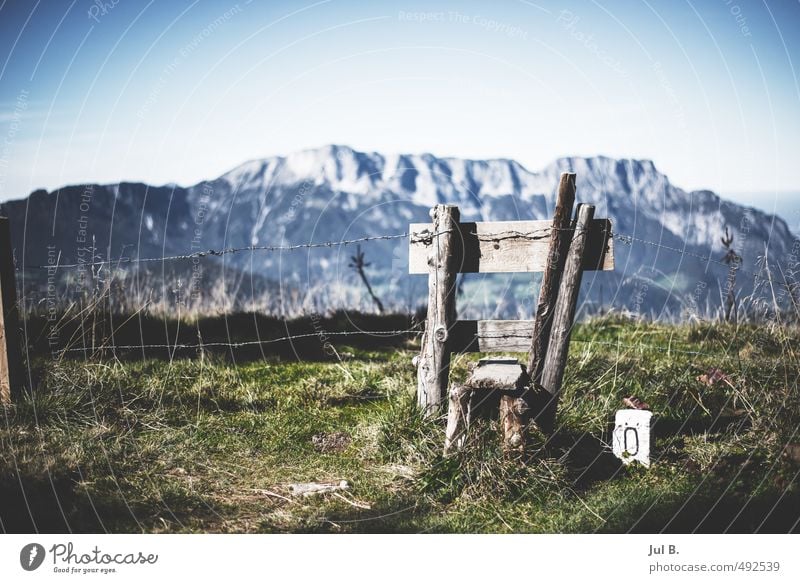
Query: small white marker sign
(632, 436)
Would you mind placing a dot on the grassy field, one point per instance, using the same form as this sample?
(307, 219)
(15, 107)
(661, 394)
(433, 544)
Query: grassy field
(208, 445)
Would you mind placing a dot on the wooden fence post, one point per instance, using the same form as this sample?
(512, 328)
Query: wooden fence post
(551, 277)
(433, 366)
(558, 347)
(10, 355)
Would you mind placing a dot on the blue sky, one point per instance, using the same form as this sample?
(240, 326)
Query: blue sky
(180, 91)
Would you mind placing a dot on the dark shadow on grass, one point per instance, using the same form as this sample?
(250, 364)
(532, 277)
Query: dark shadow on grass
(665, 427)
(56, 505)
(709, 514)
(255, 336)
(35, 504)
(586, 457)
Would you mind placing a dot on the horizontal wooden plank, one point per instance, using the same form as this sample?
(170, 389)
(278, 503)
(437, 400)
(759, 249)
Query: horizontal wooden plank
(490, 336)
(507, 246)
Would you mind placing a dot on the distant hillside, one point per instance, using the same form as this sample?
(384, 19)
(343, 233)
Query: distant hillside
(784, 204)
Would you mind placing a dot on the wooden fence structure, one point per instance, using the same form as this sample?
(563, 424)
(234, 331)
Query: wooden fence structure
(561, 248)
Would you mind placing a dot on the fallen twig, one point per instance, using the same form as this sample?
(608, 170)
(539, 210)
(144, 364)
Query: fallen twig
(361, 505)
(306, 489)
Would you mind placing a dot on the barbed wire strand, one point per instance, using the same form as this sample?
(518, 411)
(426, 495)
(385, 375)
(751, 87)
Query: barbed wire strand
(381, 333)
(221, 252)
(421, 237)
(629, 239)
(321, 334)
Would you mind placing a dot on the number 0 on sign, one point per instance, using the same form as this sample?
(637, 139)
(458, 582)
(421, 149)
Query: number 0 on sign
(632, 436)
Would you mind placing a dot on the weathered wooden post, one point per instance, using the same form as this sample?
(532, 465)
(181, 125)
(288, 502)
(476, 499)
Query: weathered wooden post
(537, 399)
(558, 347)
(11, 378)
(551, 277)
(433, 365)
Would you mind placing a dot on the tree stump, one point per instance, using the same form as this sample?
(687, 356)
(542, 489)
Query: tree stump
(505, 377)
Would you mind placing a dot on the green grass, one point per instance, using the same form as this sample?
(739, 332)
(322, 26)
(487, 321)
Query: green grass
(193, 446)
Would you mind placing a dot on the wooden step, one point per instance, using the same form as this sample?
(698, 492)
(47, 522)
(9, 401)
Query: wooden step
(499, 373)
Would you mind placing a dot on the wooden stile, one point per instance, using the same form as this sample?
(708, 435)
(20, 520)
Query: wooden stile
(560, 248)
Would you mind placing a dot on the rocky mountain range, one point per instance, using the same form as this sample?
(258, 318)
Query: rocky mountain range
(334, 193)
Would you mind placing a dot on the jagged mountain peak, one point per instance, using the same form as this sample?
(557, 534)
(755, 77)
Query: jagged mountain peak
(423, 175)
